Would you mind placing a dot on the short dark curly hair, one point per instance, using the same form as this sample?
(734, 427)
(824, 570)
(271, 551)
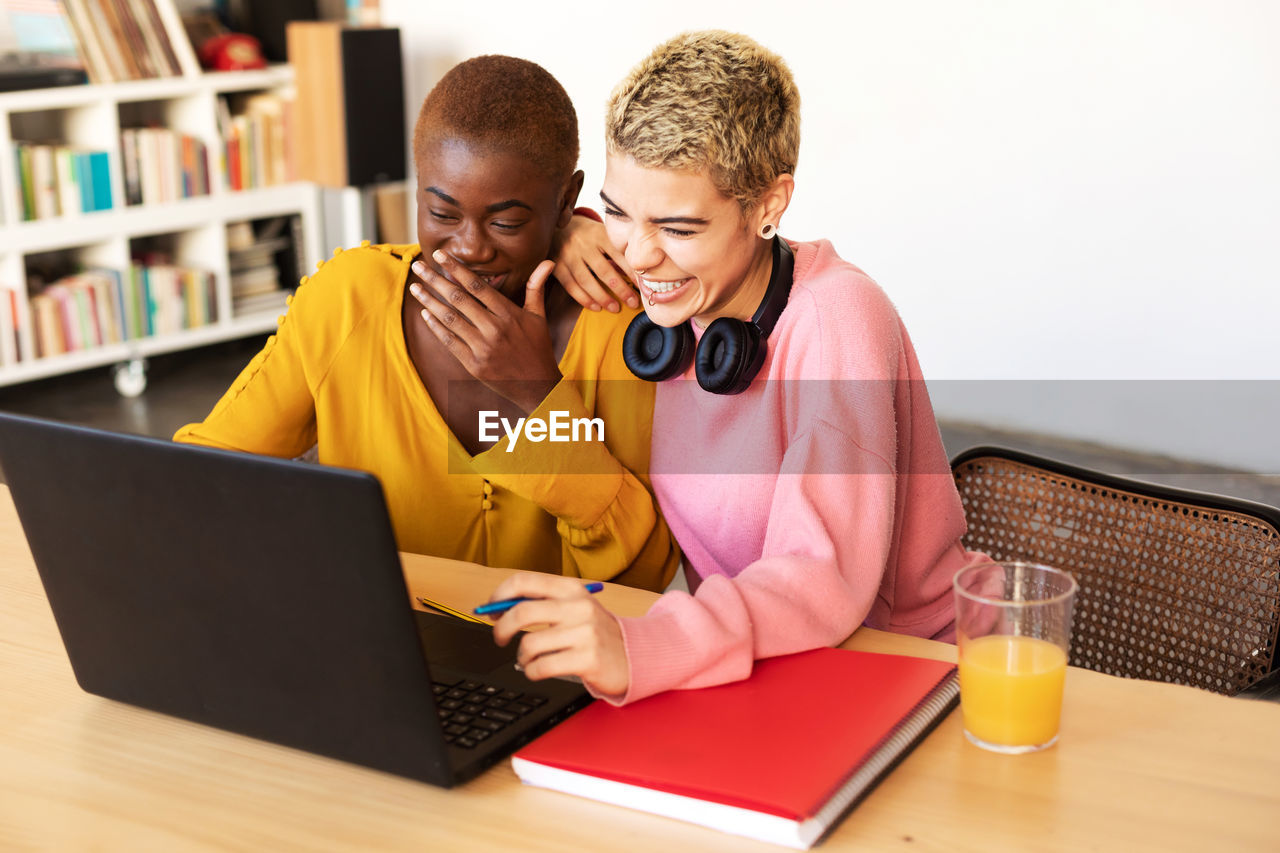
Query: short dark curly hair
(506, 104)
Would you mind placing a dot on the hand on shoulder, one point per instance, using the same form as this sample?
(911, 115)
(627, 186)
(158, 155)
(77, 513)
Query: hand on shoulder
(590, 269)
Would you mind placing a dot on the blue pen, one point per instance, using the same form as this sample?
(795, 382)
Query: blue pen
(507, 603)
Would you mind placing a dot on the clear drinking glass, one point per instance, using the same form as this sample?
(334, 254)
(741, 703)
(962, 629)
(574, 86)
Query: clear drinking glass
(1013, 628)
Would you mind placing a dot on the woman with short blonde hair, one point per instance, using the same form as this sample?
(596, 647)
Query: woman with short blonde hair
(795, 453)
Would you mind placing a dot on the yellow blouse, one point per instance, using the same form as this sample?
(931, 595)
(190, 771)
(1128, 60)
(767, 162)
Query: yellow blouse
(337, 374)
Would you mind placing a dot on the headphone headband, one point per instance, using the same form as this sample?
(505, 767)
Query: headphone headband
(779, 290)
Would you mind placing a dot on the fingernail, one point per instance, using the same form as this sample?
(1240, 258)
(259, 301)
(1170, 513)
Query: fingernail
(439, 256)
(633, 302)
(594, 307)
(415, 290)
(426, 316)
(519, 666)
(613, 307)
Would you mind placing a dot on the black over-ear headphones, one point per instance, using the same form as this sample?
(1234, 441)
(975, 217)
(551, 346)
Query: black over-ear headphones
(730, 353)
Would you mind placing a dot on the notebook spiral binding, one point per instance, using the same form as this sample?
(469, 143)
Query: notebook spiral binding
(885, 756)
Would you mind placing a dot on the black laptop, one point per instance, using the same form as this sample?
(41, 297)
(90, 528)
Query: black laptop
(261, 596)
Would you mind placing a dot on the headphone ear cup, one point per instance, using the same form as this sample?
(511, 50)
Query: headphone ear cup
(656, 352)
(728, 356)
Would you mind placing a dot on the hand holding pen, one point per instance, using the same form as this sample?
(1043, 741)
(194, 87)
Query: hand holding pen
(581, 637)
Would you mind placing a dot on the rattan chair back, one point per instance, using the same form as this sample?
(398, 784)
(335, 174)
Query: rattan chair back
(1175, 585)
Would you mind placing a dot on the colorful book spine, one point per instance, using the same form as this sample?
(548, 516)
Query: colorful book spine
(44, 182)
(125, 324)
(8, 325)
(138, 307)
(100, 171)
(57, 180)
(68, 186)
(86, 316)
(203, 163)
(106, 291)
(233, 162)
(84, 178)
(151, 298)
(188, 169)
(26, 183)
(46, 317)
(131, 165)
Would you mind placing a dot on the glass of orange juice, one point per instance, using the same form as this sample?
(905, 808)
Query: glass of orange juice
(1013, 627)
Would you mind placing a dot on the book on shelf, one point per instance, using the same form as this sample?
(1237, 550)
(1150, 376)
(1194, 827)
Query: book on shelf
(57, 180)
(166, 16)
(97, 173)
(170, 298)
(44, 182)
(129, 39)
(91, 23)
(263, 258)
(256, 131)
(9, 326)
(781, 756)
(272, 301)
(118, 32)
(155, 40)
(77, 312)
(64, 164)
(100, 307)
(162, 165)
(255, 280)
(45, 321)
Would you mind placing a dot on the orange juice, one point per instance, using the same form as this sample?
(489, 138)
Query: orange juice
(1011, 689)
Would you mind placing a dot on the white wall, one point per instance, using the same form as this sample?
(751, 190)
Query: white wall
(1086, 189)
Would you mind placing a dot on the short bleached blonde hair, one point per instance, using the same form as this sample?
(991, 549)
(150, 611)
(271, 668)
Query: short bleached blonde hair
(714, 102)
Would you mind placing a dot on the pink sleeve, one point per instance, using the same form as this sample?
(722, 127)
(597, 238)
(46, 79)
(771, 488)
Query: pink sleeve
(825, 551)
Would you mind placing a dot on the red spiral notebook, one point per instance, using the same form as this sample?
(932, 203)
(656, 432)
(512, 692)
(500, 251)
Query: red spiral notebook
(781, 756)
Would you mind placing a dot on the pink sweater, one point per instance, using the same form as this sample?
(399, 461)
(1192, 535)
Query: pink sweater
(818, 500)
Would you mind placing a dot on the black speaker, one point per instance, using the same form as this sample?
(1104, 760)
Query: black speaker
(350, 121)
(265, 20)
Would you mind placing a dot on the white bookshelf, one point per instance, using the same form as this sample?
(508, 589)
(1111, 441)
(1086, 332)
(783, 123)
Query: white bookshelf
(193, 229)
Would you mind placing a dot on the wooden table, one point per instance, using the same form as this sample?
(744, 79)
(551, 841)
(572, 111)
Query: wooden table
(1140, 766)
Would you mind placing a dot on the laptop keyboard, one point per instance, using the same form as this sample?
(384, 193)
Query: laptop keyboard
(471, 711)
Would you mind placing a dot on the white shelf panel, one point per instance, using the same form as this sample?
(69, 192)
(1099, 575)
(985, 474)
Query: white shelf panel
(42, 368)
(64, 97)
(43, 235)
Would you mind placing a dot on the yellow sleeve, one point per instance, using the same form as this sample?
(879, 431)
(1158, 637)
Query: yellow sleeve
(598, 490)
(270, 407)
